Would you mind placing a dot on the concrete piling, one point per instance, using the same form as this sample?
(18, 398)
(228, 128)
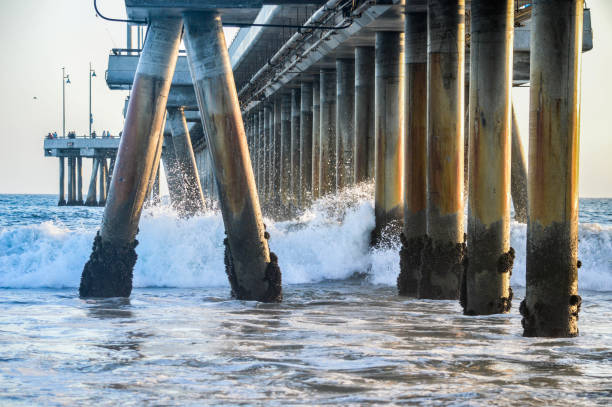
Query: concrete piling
(61, 200)
(252, 269)
(415, 152)
(364, 114)
(327, 132)
(255, 162)
(295, 146)
(388, 124)
(193, 197)
(155, 196)
(305, 185)
(345, 122)
(316, 136)
(79, 186)
(70, 181)
(268, 128)
(518, 174)
(150, 197)
(108, 273)
(261, 163)
(552, 303)
(171, 170)
(92, 190)
(285, 161)
(487, 279)
(276, 153)
(102, 181)
(444, 252)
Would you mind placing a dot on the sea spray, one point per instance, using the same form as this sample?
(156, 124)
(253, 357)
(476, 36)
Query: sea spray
(329, 241)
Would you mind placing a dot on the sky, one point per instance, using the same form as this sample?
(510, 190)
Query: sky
(39, 37)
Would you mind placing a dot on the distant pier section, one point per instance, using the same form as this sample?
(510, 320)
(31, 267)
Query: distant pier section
(70, 152)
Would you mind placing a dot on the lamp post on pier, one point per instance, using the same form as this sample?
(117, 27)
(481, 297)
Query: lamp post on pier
(65, 80)
(92, 74)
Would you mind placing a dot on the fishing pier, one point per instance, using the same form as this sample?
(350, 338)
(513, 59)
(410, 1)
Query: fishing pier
(312, 97)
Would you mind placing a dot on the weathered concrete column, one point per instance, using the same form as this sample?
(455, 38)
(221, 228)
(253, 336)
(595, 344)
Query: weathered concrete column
(306, 143)
(295, 145)
(487, 279)
(388, 124)
(70, 183)
(270, 153)
(108, 273)
(444, 252)
(285, 161)
(171, 170)
(364, 114)
(252, 270)
(108, 173)
(276, 177)
(261, 162)
(518, 171)
(414, 232)
(61, 201)
(155, 197)
(552, 303)
(327, 144)
(345, 122)
(102, 182)
(267, 110)
(316, 136)
(79, 168)
(193, 198)
(92, 190)
(255, 154)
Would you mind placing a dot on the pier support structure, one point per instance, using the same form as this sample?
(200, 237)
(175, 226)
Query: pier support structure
(62, 200)
(364, 114)
(487, 279)
(102, 181)
(261, 158)
(108, 273)
(79, 183)
(518, 177)
(71, 200)
(414, 232)
(305, 185)
(252, 269)
(443, 255)
(316, 135)
(388, 124)
(92, 190)
(276, 155)
(268, 130)
(285, 153)
(552, 303)
(345, 125)
(327, 144)
(171, 170)
(193, 198)
(295, 146)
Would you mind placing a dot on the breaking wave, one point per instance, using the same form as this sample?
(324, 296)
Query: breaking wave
(327, 242)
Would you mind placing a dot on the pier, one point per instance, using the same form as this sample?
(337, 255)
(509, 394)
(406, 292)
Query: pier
(312, 97)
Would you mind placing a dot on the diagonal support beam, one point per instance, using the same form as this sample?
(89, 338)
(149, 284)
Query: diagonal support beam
(108, 273)
(252, 270)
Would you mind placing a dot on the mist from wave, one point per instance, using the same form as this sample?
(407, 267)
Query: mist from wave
(329, 241)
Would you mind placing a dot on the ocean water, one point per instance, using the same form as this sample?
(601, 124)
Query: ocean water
(341, 336)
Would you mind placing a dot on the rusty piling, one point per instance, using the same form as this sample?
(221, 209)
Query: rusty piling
(552, 303)
(487, 279)
(252, 269)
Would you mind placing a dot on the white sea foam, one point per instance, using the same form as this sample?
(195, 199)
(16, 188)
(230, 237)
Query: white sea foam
(329, 241)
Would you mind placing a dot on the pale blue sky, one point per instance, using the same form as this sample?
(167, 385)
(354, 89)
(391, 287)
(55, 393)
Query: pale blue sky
(41, 36)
